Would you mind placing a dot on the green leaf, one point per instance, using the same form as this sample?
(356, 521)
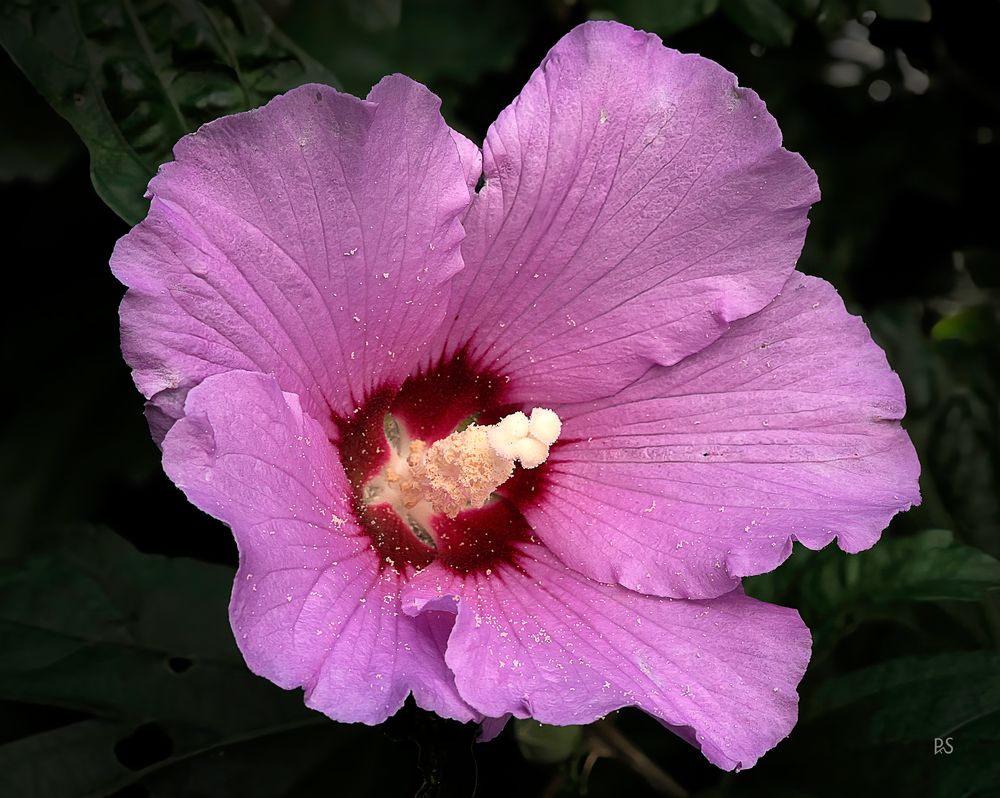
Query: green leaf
(655, 15)
(977, 324)
(803, 9)
(963, 454)
(762, 20)
(375, 15)
(83, 753)
(94, 625)
(101, 426)
(447, 44)
(916, 713)
(546, 744)
(875, 731)
(910, 10)
(142, 646)
(833, 590)
(84, 760)
(896, 710)
(133, 76)
(951, 396)
(983, 265)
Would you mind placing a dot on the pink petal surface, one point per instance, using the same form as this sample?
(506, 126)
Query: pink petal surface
(472, 159)
(543, 641)
(636, 201)
(311, 605)
(786, 428)
(311, 239)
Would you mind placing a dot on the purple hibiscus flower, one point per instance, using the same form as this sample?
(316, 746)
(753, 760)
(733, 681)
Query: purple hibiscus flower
(511, 449)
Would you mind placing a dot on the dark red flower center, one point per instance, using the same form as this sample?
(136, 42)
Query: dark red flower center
(430, 406)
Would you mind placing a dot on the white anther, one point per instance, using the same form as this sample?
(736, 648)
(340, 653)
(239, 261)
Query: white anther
(506, 432)
(463, 470)
(544, 426)
(530, 453)
(516, 437)
(516, 425)
(501, 441)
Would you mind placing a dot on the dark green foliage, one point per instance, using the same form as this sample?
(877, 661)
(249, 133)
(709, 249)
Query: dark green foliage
(764, 20)
(874, 732)
(161, 694)
(835, 593)
(450, 45)
(132, 76)
(664, 18)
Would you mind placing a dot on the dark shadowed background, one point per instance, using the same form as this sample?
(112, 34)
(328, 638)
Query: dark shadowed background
(118, 673)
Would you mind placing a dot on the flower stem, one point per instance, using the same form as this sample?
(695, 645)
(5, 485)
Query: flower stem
(607, 736)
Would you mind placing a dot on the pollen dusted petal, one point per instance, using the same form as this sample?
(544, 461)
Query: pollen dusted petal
(636, 202)
(312, 605)
(311, 239)
(543, 641)
(787, 428)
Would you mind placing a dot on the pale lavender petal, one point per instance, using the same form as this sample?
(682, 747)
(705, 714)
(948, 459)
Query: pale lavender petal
(311, 239)
(542, 641)
(636, 201)
(312, 605)
(787, 428)
(492, 728)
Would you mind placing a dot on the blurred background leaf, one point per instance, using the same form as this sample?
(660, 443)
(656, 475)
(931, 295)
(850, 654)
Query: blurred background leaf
(450, 45)
(664, 18)
(132, 76)
(764, 20)
(539, 742)
(160, 693)
(835, 593)
(915, 10)
(885, 720)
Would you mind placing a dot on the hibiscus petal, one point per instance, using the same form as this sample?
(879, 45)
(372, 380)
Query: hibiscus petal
(787, 428)
(311, 605)
(492, 728)
(311, 239)
(472, 159)
(636, 201)
(542, 641)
